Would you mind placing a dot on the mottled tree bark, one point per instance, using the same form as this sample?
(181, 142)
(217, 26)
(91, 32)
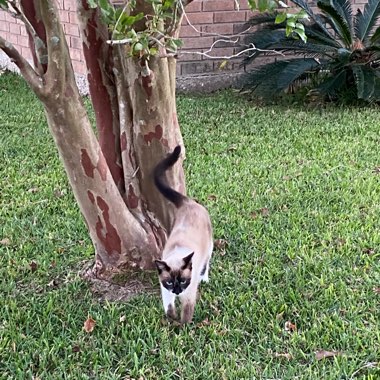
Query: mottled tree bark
(134, 104)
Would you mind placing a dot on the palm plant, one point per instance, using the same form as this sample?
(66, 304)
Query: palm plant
(342, 50)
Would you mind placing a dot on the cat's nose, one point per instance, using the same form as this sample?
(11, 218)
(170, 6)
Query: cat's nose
(177, 291)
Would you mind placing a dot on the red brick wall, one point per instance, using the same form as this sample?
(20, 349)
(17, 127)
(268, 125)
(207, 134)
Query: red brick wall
(206, 16)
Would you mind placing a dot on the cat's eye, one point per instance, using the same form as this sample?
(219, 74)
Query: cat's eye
(169, 283)
(183, 282)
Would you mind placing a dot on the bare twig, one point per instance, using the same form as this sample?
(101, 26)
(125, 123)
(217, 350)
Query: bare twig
(250, 48)
(233, 39)
(211, 33)
(119, 42)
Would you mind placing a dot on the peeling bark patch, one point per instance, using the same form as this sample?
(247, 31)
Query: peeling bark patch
(146, 82)
(89, 167)
(157, 134)
(165, 143)
(123, 141)
(91, 196)
(133, 200)
(87, 164)
(105, 231)
(96, 51)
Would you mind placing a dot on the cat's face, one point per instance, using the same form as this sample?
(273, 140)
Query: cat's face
(175, 280)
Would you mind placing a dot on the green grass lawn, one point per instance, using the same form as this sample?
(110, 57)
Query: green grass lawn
(295, 193)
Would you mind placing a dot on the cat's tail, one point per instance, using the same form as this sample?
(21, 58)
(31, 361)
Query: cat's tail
(161, 181)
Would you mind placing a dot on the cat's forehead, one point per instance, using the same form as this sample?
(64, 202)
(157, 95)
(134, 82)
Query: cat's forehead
(178, 273)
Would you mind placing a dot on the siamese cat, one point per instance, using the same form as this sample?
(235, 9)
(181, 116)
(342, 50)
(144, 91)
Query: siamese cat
(187, 253)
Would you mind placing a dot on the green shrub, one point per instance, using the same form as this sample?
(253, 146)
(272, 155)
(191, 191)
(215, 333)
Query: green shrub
(342, 51)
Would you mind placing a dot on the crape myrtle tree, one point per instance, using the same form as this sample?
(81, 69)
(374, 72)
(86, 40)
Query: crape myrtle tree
(130, 53)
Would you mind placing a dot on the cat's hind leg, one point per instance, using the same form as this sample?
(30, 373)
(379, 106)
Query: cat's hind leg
(206, 268)
(204, 273)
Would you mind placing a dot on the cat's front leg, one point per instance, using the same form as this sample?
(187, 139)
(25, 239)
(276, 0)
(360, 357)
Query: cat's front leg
(168, 300)
(188, 301)
(187, 311)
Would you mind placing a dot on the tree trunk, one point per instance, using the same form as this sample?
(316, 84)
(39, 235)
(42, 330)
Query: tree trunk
(134, 103)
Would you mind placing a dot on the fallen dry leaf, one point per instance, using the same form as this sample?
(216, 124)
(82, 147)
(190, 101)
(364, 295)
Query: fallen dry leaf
(58, 193)
(376, 170)
(5, 241)
(323, 354)
(215, 308)
(53, 283)
(33, 266)
(289, 326)
(122, 318)
(253, 214)
(212, 197)
(264, 212)
(75, 349)
(33, 190)
(369, 251)
(220, 243)
(285, 355)
(280, 316)
(376, 290)
(205, 322)
(89, 325)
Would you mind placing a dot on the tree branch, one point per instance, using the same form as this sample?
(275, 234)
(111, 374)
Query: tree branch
(36, 32)
(59, 64)
(27, 71)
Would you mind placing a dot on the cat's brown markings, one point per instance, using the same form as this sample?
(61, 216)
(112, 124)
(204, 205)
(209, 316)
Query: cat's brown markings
(187, 253)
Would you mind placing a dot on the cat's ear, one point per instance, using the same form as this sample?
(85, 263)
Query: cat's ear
(187, 261)
(161, 266)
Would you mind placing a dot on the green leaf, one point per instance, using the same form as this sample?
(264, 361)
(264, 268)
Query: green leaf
(365, 81)
(138, 46)
(153, 51)
(272, 5)
(177, 42)
(301, 15)
(262, 5)
(280, 18)
(3, 4)
(301, 34)
(288, 30)
(364, 22)
(252, 4)
(336, 18)
(92, 3)
(376, 36)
